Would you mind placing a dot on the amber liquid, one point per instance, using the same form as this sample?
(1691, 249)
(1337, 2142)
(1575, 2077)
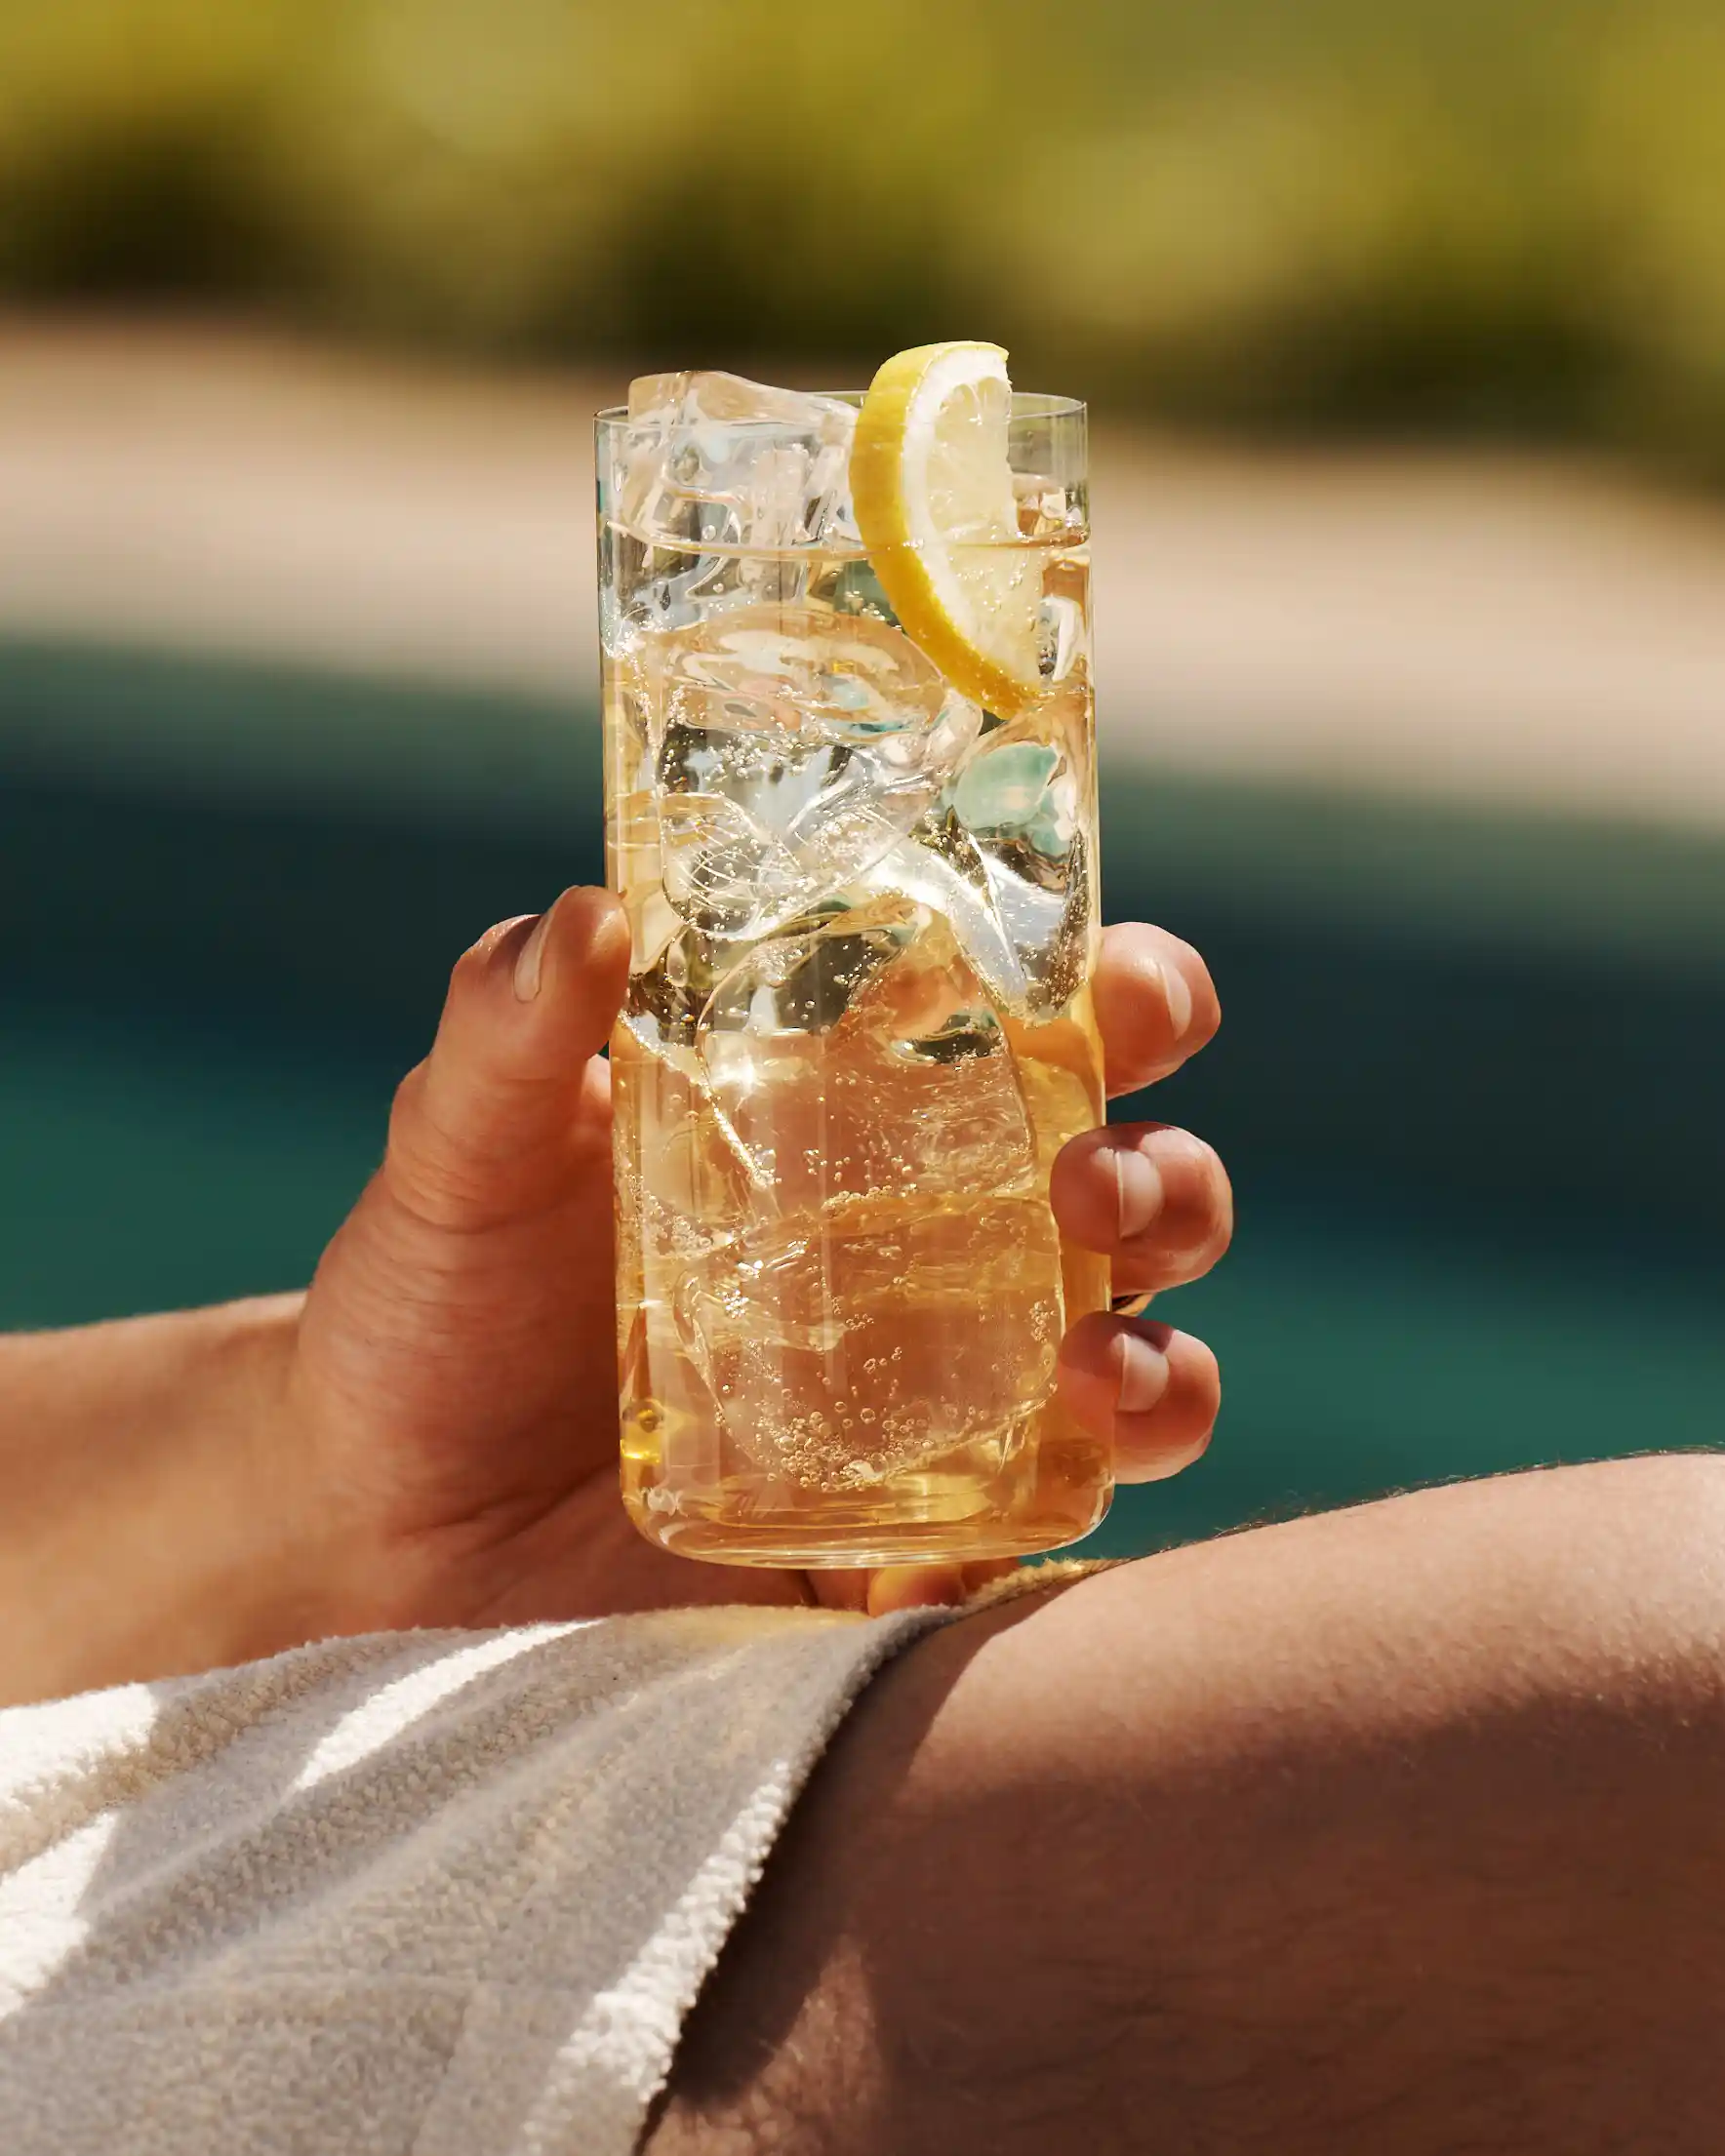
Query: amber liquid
(858, 1032)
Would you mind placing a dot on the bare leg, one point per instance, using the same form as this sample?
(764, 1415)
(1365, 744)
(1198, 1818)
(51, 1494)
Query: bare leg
(1399, 1830)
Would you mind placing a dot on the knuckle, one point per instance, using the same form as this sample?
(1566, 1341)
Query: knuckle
(430, 1176)
(443, 1175)
(471, 969)
(408, 1105)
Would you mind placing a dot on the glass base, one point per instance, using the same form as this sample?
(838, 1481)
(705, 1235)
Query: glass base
(716, 1544)
(930, 1521)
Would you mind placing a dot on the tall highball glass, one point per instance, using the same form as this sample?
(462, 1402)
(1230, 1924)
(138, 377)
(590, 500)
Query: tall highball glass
(858, 1022)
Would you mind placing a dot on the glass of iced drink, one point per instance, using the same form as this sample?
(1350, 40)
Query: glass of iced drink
(851, 811)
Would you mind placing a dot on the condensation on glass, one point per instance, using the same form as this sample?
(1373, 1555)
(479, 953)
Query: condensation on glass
(859, 1025)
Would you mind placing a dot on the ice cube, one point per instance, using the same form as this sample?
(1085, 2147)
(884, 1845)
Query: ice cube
(723, 462)
(1006, 786)
(792, 750)
(939, 866)
(850, 1346)
(693, 1190)
(669, 988)
(1003, 855)
(725, 873)
(634, 857)
(895, 1289)
(861, 1058)
(845, 677)
(1021, 798)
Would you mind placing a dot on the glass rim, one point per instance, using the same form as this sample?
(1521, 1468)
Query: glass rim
(1027, 404)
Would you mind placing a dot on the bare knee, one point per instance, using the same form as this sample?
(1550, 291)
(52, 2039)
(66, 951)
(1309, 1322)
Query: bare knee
(1402, 1827)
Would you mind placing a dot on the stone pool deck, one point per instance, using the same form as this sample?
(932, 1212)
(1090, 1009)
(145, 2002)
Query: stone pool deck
(1493, 630)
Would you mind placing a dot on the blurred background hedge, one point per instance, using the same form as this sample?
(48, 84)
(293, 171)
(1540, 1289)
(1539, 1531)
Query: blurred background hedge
(1435, 213)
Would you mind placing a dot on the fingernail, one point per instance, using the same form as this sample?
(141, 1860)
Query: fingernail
(531, 959)
(1179, 995)
(1143, 1375)
(1139, 1189)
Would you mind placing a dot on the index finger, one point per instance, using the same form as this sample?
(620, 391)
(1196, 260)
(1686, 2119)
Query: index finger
(1155, 1004)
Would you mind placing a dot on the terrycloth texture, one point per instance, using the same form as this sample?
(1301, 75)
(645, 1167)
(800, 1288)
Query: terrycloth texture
(446, 1894)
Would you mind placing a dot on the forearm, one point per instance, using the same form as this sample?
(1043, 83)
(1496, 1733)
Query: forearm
(146, 1527)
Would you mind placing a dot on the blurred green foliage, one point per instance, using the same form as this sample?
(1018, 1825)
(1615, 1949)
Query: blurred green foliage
(1438, 213)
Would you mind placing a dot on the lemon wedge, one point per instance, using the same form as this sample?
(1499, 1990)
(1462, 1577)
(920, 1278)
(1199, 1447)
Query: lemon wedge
(931, 486)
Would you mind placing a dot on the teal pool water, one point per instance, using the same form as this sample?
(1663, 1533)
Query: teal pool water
(1469, 1083)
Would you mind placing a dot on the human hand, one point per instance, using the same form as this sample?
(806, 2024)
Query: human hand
(450, 1392)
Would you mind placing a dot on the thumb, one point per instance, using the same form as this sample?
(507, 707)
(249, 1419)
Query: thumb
(511, 1105)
